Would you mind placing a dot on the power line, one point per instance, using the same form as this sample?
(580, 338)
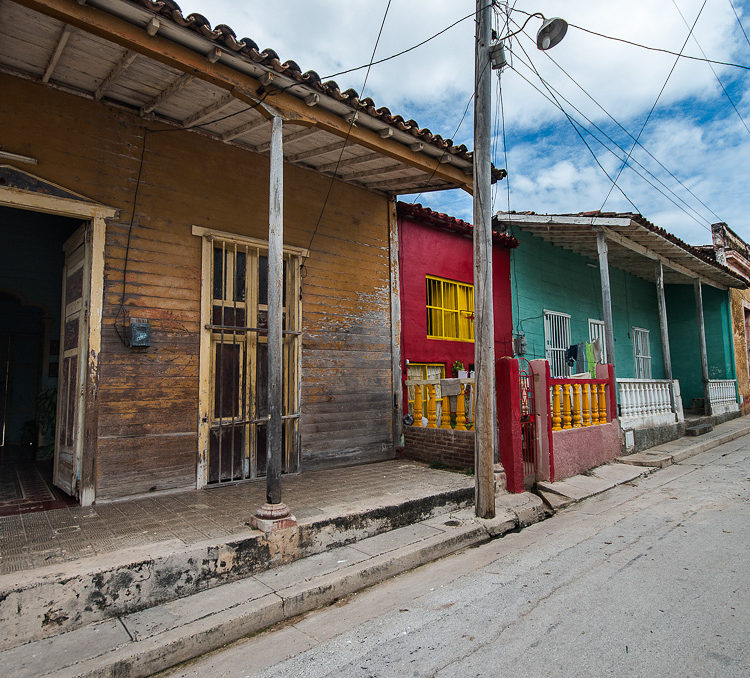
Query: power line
(624, 129)
(652, 49)
(348, 132)
(656, 101)
(577, 131)
(403, 51)
(721, 84)
(609, 138)
(742, 28)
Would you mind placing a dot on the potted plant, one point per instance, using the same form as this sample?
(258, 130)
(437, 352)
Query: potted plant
(459, 370)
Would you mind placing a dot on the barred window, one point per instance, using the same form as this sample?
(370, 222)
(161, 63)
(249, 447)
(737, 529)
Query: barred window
(450, 309)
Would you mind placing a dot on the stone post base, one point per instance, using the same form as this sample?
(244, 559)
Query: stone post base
(500, 480)
(272, 517)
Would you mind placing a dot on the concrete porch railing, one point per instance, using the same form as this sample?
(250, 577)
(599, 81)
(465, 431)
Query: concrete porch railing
(722, 395)
(649, 402)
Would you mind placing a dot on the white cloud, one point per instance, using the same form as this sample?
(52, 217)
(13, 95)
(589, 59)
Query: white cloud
(693, 130)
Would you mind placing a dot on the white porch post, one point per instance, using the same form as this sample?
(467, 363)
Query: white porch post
(273, 514)
(702, 342)
(609, 332)
(664, 330)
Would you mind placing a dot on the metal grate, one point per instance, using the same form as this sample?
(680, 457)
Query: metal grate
(238, 326)
(556, 341)
(528, 423)
(641, 353)
(596, 331)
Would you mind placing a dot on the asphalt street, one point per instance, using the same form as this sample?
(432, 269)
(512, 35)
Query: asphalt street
(649, 579)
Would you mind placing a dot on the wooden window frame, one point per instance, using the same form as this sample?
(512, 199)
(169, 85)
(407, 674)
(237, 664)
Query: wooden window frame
(464, 330)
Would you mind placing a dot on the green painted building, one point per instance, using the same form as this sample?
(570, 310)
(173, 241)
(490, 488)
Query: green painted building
(558, 301)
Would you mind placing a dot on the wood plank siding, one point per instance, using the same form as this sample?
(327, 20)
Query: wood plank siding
(148, 398)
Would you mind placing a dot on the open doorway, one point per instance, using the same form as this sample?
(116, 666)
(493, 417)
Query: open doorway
(31, 271)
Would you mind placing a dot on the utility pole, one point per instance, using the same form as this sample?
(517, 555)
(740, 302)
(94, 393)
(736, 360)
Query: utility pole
(484, 320)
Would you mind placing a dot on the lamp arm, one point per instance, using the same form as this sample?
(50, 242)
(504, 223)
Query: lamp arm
(528, 18)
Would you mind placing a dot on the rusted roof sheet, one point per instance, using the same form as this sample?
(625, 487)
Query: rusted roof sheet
(444, 221)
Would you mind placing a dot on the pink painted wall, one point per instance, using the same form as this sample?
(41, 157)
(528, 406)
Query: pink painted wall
(580, 449)
(430, 250)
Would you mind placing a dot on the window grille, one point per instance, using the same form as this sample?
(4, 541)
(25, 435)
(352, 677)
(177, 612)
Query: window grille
(450, 310)
(596, 331)
(556, 341)
(641, 353)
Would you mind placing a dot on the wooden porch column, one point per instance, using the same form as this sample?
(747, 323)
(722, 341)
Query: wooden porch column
(702, 342)
(664, 330)
(609, 332)
(274, 515)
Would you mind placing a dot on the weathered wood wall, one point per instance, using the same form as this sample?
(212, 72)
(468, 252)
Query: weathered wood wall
(148, 414)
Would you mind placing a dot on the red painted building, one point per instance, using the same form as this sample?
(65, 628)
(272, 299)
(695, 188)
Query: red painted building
(436, 276)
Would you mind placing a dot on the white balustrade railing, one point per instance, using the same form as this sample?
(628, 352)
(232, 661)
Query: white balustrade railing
(722, 392)
(644, 398)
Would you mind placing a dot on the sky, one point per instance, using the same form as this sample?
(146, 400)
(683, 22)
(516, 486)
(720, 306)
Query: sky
(695, 145)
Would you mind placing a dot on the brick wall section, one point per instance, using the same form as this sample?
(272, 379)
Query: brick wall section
(455, 449)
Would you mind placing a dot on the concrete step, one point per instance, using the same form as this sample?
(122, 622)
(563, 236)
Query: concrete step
(151, 640)
(699, 429)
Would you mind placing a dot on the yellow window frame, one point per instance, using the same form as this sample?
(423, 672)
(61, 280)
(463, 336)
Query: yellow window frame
(450, 309)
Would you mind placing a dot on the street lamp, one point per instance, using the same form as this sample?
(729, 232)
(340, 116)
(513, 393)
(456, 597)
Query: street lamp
(488, 52)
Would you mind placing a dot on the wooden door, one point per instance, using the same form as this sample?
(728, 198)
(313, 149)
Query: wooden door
(71, 374)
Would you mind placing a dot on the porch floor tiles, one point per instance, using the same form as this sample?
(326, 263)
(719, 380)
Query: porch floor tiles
(32, 540)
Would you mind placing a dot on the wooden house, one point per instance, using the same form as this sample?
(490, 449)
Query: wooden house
(141, 183)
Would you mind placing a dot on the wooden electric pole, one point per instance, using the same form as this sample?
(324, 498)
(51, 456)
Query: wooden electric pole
(484, 322)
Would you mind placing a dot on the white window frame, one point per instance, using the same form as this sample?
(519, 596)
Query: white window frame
(556, 341)
(642, 352)
(597, 331)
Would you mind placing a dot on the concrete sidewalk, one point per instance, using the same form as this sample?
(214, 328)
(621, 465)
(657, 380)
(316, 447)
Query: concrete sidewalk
(368, 547)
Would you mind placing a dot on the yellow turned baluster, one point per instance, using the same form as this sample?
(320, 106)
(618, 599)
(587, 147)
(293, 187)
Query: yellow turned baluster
(445, 415)
(594, 405)
(576, 406)
(602, 405)
(586, 406)
(417, 405)
(566, 418)
(431, 407)
(556, 418)
(460, 411)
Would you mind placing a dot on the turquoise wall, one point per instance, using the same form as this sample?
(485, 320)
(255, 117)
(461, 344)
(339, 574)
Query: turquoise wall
(547, 277)
(683, 337)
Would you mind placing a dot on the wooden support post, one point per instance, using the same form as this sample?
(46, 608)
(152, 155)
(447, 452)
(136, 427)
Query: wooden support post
(396, 383)
(484, 327)
(609, 332)
(664, 330)
(274, 515)
(702, 341)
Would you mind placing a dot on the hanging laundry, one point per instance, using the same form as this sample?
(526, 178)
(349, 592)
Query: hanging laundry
(590, 360)
(571, 355)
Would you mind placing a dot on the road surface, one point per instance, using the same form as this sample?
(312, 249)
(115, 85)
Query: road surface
(650, 579)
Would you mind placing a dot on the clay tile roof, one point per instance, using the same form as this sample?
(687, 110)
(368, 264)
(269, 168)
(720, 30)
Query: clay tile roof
(227, 38)
(446, 222)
